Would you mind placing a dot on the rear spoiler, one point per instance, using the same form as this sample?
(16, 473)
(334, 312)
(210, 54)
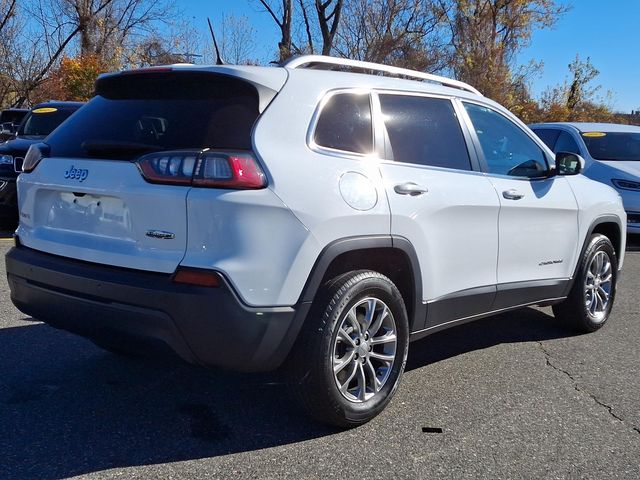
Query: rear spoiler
(267, 81)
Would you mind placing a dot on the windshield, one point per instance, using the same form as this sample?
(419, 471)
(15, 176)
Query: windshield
(134, 114)
(613, 145)
(42, 121)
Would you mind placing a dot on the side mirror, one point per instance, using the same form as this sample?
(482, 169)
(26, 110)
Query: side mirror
(568, 163)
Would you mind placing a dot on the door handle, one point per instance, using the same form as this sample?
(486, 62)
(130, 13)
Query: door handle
(409, 188)
(512, 194)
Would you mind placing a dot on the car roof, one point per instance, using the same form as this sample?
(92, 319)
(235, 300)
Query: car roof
(592, 127)
(273, 77)
(321, 80)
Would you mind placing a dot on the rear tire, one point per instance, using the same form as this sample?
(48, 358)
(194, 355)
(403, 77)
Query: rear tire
(350, 357)
(588, 306)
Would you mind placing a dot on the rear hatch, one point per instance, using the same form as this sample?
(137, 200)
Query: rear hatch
(88, 197)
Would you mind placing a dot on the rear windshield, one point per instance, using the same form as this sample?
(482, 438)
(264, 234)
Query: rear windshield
(136, 114)
(613, 145)
(40, 122)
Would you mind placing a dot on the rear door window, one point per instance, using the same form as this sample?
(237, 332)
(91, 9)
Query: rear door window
(133, 114)
(344, 124)
(424, 131)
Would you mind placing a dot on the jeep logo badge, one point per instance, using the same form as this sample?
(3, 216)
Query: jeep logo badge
(76, 174)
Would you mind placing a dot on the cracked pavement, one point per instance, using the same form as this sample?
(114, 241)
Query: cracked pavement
(580, 389)
(515, 396)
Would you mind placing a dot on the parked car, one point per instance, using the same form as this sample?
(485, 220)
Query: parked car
(316, 220)
(37, 124)
(10, 121)
(611, 153)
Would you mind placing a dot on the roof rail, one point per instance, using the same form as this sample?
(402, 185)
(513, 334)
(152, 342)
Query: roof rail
(304, 60)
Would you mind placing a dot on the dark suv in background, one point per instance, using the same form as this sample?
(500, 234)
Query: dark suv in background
(43, 119)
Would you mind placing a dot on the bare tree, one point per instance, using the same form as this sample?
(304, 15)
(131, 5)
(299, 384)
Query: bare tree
(329, 19)
(180, 42)
(7, 13)
(105, 28)
(327, 13)
(7, 35)
(20, 57)
(283, 17)
(404, 33)
(237, 41)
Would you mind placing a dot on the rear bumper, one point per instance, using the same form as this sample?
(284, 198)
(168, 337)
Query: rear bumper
(207, 326)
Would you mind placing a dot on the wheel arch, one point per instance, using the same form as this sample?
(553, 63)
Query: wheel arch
(391, 256)
(609, 226)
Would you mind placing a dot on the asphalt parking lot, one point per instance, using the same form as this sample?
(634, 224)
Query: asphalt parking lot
(512, 396)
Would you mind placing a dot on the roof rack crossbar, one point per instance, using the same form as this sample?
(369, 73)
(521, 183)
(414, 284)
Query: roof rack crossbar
(303, 60)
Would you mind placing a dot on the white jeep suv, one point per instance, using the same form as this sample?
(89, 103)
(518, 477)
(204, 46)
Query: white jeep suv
(306, 216)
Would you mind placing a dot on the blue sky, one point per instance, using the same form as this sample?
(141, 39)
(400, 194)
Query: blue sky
(607, 31)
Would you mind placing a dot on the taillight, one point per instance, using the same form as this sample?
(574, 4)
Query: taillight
(168, 167)
(36, 152)
(216, 169)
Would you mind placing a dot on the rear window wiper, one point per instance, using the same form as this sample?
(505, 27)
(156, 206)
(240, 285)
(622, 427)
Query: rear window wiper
(117, 148)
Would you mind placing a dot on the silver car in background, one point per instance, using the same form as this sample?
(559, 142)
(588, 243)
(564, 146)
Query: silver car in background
(611, 153)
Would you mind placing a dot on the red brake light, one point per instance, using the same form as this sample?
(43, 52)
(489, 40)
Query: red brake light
(215, 169)
(229, 170)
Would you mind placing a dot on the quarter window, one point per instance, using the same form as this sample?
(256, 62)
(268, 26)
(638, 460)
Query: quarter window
(345, 124)
(507, 149)
(424, 131)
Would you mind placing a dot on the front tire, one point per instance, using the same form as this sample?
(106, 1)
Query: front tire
(588, 306)
(349, 360)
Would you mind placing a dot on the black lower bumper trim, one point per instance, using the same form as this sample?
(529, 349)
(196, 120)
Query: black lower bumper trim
(208, 326)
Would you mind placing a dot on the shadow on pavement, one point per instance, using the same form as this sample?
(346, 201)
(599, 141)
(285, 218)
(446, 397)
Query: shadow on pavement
(68, 408)
(524, 325)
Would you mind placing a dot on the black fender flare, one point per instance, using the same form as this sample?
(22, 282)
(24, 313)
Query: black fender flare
(349, 244)
(594, 224)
